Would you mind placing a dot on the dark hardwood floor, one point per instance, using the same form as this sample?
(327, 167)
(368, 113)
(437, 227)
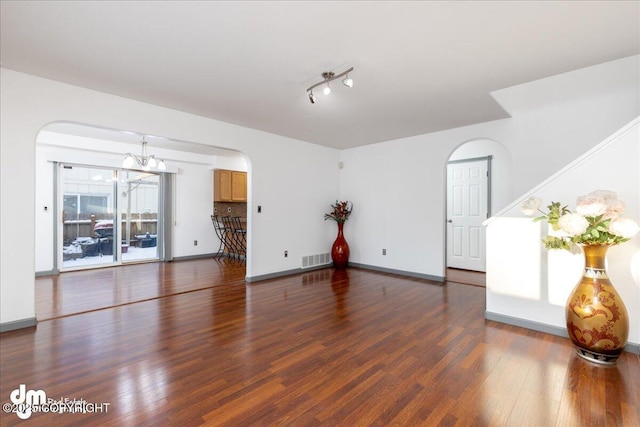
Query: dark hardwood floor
(334, 348)
(87, 290)
(467, 277)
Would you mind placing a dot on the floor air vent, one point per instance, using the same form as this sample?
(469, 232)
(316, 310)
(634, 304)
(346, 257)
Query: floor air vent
(315, 260)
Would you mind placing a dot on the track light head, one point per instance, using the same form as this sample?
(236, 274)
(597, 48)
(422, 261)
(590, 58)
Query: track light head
(347, 81)
(312, 97)
(327, 89)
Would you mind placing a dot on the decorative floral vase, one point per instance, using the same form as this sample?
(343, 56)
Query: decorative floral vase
(340, 249)
(597, 320)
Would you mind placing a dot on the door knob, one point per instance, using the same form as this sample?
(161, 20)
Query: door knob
(449, 220)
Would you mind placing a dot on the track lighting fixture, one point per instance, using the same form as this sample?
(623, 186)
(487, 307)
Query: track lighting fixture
(329, 76)
(143, 161)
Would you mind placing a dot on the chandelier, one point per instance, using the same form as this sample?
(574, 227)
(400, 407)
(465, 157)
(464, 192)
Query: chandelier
(144, 161)
(329, 76)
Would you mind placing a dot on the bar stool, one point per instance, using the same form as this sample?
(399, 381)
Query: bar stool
(220, 233)
(231, 240)
(241, 234)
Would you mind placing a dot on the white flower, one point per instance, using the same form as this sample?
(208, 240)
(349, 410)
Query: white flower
(531, 206)
(624, 227)
(591, 205)
(604, 194)
(615, 208)
(573, 224)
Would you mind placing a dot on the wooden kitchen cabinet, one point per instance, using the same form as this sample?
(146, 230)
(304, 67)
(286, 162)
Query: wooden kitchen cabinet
(238, 186)
(229, 186)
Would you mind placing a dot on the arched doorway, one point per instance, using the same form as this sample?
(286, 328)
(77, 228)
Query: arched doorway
(91, 146)
(478, 184)
(95, 155)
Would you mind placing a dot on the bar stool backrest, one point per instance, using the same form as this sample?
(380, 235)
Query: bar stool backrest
(237, 225)
(218, 227)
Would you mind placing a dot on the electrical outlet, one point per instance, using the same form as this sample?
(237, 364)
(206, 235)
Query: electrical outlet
(229, 209)
(286, 254)
(384, 252)
(195, 243)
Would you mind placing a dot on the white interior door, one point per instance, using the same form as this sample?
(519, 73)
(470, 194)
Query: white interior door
(467, 208)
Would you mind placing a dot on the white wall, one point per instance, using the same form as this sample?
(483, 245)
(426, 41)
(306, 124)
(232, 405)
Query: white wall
(45, 221)
(398, 187)
(231, 163)
(294, 181)
(526, 281)
(193, 207)
(555, 120)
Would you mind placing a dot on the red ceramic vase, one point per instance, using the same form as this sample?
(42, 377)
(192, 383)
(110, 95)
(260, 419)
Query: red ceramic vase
(340, 249)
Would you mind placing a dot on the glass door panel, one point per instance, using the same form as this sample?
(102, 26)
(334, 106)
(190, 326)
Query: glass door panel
(88, 201)
(139, 203)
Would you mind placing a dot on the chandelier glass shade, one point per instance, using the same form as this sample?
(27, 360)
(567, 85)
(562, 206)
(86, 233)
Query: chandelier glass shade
(143, 161)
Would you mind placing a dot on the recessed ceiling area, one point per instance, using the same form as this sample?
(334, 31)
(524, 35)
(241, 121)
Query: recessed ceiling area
(419, 67)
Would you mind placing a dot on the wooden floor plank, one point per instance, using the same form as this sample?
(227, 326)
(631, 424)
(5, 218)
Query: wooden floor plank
(467, 277)
(355, 347)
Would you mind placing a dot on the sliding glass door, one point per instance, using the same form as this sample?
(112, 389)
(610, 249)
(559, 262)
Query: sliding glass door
(108, 216)
(88, 213)
(140, 206)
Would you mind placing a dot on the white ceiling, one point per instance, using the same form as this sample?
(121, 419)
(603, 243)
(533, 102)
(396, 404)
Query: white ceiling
(419, 66)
